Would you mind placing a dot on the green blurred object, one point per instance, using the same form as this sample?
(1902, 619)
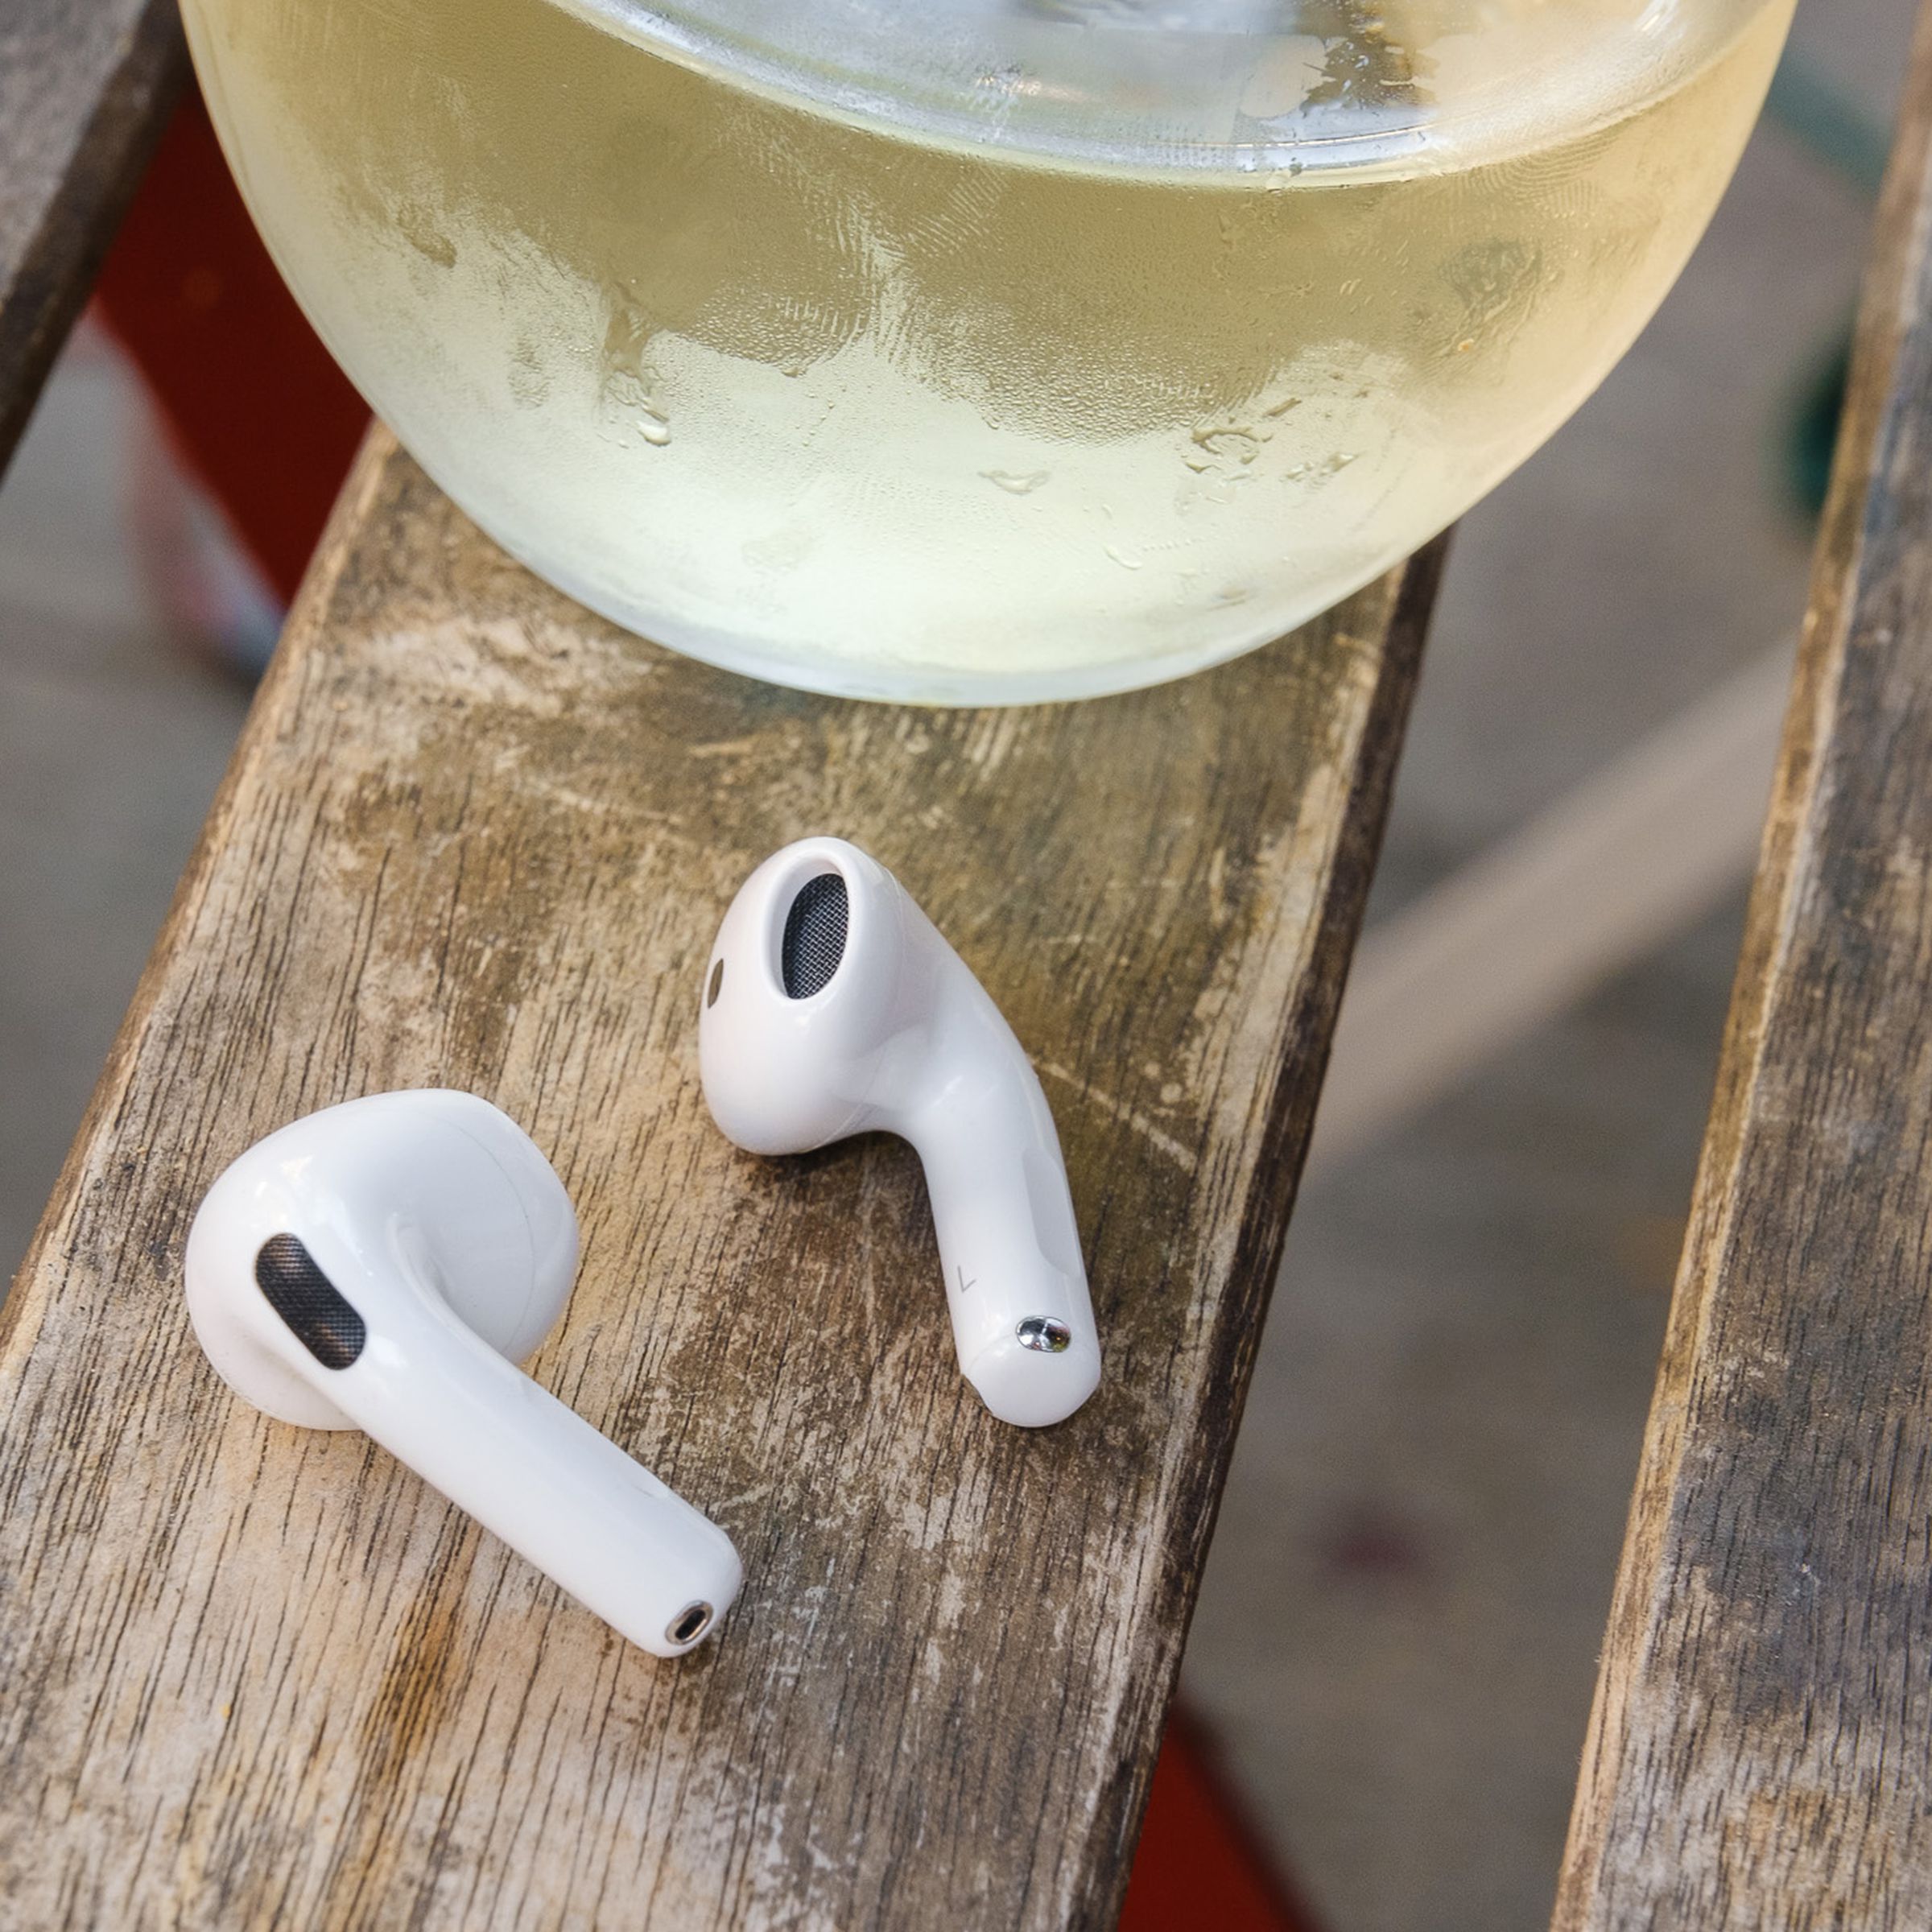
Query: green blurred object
(1810, 436)
(1830, 125)
(1821, 117)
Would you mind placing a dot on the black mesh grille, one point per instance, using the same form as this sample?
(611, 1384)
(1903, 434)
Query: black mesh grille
(814, 936)
(309, 1302)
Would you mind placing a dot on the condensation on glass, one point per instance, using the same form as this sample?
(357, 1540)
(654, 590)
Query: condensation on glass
(977, 351)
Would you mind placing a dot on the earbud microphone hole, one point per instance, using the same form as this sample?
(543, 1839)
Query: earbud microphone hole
(690, 1623)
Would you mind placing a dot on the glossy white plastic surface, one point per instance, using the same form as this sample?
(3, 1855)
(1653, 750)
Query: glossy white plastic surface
(903, 1038)
(441, 1223)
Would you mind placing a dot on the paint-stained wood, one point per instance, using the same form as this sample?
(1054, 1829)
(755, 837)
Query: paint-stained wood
(256, 1677)
(85, 88)
(1760, 1752)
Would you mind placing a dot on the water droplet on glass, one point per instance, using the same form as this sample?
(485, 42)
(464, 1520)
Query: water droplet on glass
(1320, 472)
(629, 392)
(1227, 443)
(529, 381)
(1017, 483)
(420, 230)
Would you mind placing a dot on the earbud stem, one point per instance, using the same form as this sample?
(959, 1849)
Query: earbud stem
(505, 1451)
(1016, 1286)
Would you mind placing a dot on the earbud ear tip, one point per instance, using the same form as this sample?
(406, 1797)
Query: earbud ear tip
(1031, 1389)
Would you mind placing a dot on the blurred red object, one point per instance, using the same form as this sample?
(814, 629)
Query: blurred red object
(255, 405)
(1199, 1868)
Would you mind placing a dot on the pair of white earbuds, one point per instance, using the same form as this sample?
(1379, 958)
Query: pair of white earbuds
(383, 1265)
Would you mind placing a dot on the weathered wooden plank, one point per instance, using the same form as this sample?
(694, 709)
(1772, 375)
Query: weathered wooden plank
(474, 836)
(1758, 1755)
(85, 88)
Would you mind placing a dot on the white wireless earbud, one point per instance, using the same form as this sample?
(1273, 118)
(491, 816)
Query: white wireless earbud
(372, 1267)
(831, 1007)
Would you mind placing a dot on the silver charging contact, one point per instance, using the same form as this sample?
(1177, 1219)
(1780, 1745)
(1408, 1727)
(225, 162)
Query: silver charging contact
(1049, 1337)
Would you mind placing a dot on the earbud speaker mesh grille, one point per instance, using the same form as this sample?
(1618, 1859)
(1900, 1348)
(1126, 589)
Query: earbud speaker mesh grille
(314, 1308)
(814, 936)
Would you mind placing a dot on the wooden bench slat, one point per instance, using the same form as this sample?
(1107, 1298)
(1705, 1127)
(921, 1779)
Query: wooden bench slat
(1758, 1751)
(474, 836)
(85, 86)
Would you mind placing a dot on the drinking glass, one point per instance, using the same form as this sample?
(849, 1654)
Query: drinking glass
(976, 351)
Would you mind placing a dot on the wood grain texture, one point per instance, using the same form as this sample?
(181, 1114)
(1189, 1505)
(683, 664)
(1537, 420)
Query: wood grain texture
(474, 836)
(1761, 1750)
(85, 86)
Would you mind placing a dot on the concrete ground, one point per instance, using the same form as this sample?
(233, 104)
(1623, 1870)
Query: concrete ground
(1396, 1640)
(112, 740)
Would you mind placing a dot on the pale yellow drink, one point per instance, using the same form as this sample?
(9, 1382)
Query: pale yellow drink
(864, 407)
